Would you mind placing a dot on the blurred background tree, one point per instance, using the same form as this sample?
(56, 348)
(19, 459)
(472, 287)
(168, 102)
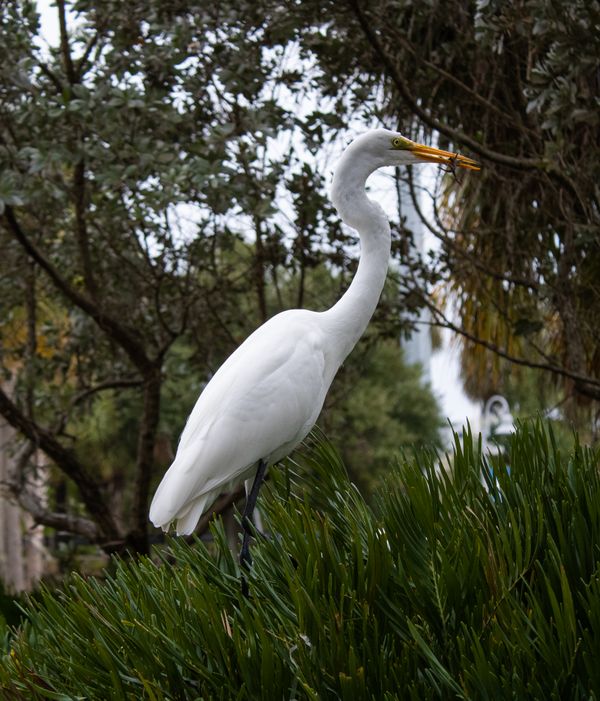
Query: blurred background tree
(516, 84)
(163, 191)
(160, 197)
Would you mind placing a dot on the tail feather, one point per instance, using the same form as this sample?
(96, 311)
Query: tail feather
(174, 497)
(183, 497)
(186, 522)
(163, 515)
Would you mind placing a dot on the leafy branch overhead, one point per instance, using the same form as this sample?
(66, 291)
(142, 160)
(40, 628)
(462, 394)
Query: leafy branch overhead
(516, 84)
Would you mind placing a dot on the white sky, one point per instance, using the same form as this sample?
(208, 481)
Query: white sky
(49, 21)
(444, 369)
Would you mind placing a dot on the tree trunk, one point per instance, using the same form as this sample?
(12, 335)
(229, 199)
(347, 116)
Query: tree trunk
(137, 538)
(22, 552)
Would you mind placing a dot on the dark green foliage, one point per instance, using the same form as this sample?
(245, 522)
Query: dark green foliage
(367, 413)
(9, 607)
(515, 85)
(454, 586)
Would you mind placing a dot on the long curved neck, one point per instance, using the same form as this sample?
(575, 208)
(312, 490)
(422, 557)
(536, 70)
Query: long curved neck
(348, 319)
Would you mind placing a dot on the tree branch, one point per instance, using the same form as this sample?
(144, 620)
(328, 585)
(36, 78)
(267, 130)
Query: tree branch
(66, 460)
(81, 230)
(445, 240)
(454, 134)
(586, 385)
(100, 387)
(59, 426)
(80, 65)
(62, 522)
(145, 459)
(401, 86)
(220, 505)
(459, 83)
(123, 335)
(53, 78)
(64, 42)
(539, 164)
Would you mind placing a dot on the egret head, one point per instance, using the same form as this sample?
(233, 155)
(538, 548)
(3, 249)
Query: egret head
(383, 147)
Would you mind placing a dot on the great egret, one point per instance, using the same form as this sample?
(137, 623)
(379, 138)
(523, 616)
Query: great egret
(265, 398)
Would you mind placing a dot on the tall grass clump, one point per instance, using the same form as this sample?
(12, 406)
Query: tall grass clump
(460, 582)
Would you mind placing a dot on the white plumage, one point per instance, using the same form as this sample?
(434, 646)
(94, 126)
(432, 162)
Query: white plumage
(265, 398)
(260, 404)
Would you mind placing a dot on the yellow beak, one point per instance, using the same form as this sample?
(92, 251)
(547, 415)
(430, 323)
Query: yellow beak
(436, 155)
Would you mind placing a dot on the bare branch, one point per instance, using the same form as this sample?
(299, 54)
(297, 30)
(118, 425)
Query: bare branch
(49, 74)
(66, 460)
(59, 426)
(171, 333)
(589, 386)
(64, 42)
(120, 333)
(220, 505)
(102, 386)
(80, 65)
(28, 501)
(82, 231)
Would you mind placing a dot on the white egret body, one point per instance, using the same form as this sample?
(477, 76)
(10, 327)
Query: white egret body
(265, 398)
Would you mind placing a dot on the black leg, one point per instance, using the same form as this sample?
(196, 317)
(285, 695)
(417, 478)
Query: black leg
(247, 526)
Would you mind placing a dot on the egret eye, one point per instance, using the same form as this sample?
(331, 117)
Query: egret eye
(397, 142)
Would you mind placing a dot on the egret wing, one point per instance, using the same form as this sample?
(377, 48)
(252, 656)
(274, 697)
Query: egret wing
(262, 402)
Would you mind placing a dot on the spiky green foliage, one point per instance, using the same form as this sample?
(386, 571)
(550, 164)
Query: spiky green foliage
(459, 583)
